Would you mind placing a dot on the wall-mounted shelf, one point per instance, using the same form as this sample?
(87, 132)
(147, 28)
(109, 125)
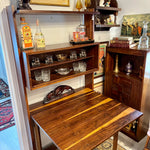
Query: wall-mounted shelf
(28, 55)
(105, 27)
(44, 12)
(107, 8)
(102, 23)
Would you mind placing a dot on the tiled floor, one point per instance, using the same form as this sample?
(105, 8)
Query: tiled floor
(9, 137)
(130, 144)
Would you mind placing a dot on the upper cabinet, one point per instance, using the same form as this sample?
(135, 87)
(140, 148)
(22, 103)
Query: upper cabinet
(107, 16)
(65, 62)
(37, 73)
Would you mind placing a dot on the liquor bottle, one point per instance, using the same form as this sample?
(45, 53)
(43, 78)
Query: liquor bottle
(26, 40)
(39, 37)
(144, 39)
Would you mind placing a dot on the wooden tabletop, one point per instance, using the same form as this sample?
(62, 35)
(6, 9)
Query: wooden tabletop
(84, 120)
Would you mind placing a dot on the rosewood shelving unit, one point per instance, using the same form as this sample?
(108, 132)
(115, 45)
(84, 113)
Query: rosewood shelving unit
(133, 89)
(23, 57)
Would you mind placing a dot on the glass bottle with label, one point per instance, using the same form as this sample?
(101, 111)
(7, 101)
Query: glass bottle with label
(39, 39)
(26, 41)
(144, 39)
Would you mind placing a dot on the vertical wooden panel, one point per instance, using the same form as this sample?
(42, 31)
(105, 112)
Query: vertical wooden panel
(89, 23)
(89, 78)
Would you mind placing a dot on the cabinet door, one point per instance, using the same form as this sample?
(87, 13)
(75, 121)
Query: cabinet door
(127, 91)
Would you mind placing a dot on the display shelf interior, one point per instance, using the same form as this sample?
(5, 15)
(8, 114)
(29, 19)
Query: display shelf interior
(123, 59)
(56, 63)
(129, 133)
(105, 13)
(131, 76)
(52, 50)
(58, 78)
(44, 12)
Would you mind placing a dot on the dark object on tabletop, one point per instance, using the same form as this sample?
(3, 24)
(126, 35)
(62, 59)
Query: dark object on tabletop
(59, 92)
(23, 4)
(81, 42)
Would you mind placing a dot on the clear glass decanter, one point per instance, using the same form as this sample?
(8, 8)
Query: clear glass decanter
(144, 39)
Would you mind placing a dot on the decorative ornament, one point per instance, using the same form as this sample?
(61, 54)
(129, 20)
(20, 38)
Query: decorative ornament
(79, 5)
(116, 66)
(23, 4)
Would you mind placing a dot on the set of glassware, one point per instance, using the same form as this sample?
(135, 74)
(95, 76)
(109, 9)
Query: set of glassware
(36, 61)
(60, 57)
(73, 54)
(42, 75)
(79, 66)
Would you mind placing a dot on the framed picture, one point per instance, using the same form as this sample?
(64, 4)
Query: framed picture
(51, 2)
(132, 25)
(102, 55)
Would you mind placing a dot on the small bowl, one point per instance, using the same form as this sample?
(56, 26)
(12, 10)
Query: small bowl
(61, 57)
(63, 71)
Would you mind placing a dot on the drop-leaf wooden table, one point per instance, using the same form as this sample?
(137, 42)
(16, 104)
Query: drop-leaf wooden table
(83, 120)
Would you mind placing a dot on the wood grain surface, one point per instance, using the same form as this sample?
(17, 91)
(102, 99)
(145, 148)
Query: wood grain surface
(84, 120)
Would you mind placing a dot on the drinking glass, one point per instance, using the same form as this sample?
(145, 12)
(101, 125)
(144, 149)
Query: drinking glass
(38, 75)
(35, 61)
(49, 59)
(83, 53)
(46, 75)
(76, 67)
(73, 55)
(82, 66)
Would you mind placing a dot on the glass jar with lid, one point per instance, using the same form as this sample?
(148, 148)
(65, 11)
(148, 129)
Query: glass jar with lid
(81, 29)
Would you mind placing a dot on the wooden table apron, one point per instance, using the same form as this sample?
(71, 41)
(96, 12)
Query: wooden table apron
(83, 120)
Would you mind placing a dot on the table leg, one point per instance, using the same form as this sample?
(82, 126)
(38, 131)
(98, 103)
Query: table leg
(115, 141)
(37, 137)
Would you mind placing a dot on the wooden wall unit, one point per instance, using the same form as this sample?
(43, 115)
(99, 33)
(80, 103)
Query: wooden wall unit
(130, 89)
(104, 13)
(25, 68)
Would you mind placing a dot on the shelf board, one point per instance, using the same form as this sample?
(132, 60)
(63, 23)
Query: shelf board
(58, 78)
(132, 76)
(56, 63)
(44, 12)
(129, 51)
(37, 107)
(58, 47)
(108, 8)
(107, 25)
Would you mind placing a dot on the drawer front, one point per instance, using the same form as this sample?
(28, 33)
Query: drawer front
(121, 89)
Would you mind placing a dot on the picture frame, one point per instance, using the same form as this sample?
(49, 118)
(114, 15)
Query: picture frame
(102, 55)
(51, 2)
